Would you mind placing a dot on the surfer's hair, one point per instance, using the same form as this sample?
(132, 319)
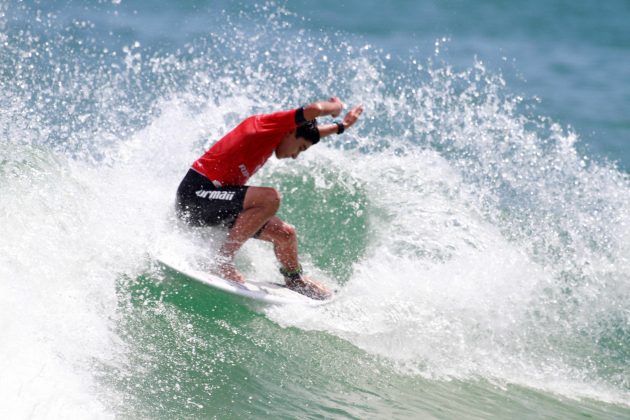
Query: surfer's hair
(308, 131)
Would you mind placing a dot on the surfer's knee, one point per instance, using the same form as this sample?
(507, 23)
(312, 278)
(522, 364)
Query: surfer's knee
(272, 200)
(263, 197)
(287, 232)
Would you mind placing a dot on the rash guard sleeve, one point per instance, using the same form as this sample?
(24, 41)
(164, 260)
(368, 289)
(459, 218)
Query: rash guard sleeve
(278, 122)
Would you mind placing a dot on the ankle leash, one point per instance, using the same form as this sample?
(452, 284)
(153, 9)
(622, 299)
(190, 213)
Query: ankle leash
(292, 274)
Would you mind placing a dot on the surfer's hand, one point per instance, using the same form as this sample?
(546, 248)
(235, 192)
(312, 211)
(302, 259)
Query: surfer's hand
(339, 105)
(332, 107)
(352, 116)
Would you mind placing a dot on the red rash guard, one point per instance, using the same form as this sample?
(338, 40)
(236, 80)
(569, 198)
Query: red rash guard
(241, 152)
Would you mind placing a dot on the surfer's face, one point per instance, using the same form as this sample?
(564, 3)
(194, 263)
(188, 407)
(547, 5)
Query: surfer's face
(291, 147)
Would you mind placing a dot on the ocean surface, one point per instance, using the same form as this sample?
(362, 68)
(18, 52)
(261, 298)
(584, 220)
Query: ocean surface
(475, 221)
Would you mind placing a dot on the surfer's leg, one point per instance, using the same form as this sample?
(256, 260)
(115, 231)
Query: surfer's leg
(260, 205)
(285, 245)
(284, 239)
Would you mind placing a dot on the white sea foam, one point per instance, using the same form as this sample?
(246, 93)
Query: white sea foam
(489, 256)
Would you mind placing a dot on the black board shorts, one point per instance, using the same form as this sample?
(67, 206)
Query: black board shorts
(201, 203)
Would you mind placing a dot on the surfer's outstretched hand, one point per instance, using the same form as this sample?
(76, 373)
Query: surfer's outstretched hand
(352, 116)
(339, 104)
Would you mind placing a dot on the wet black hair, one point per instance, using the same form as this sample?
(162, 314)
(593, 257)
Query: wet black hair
(308, 131)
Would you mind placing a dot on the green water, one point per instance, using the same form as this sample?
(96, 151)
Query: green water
(195, 353)
(320, 197)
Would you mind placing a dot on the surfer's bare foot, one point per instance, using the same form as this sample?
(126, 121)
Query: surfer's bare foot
(308, 287)
(229, 272)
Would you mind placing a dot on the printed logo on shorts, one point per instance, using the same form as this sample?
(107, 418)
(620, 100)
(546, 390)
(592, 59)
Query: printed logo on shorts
(215, 195)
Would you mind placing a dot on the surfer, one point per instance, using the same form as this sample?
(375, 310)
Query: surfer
(213, 192)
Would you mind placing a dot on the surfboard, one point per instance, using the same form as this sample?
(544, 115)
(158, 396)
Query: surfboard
(260, 291)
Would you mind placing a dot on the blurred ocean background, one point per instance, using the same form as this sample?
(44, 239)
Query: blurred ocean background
(475, 221)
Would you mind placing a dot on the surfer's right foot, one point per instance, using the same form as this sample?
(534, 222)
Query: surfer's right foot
(299, 283)
(308, 287)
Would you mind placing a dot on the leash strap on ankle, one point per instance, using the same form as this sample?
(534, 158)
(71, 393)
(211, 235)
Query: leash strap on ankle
(292, 274)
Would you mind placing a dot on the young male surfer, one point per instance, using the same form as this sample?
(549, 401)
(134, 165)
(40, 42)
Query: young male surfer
(213, 192)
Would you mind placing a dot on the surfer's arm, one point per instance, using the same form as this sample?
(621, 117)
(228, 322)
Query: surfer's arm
(287, 120)
(348, 121)
(331, 107)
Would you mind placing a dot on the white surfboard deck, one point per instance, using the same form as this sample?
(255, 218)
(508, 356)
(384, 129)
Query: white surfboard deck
(265, 292)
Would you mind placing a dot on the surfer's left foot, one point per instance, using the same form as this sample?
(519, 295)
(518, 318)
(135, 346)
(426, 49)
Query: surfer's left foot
(227, 270)
(308, 287)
